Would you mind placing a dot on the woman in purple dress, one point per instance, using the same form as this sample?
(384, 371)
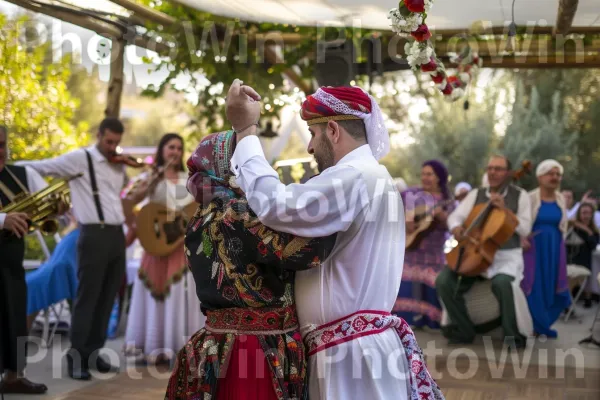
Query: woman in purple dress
(417, 300)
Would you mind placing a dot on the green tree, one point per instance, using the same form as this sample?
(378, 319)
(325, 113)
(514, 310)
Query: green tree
(35, 102)
(535, 136)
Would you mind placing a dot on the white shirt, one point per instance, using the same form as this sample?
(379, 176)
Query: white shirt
(110, 179)
(506, 261)
(35, 183)
(174, 195)
(358, 200)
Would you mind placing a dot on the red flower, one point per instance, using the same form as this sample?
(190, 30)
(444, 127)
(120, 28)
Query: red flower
(438, 78)
(279, 254)
(430, 66)
(262, 248)
(454, 81)
(448, 89)
(417, 6)
(422, 33)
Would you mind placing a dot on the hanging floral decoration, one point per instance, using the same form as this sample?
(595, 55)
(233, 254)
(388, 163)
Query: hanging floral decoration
(408, 20)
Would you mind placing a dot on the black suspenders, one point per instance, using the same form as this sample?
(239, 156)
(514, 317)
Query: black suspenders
(95, 188)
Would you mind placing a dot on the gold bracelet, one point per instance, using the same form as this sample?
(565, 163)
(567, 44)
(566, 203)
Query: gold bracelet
(242, 130)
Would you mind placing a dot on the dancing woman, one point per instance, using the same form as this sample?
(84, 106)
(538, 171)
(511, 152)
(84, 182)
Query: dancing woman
(251, 347)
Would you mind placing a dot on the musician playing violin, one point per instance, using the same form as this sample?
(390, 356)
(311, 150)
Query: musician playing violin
(101, 244)
(158, 324)
(506, 270)
(417, 300)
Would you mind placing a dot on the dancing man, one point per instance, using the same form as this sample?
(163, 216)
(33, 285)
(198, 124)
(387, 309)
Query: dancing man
(344, 305)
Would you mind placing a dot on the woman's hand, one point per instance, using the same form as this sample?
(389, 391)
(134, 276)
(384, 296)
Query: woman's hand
(583, 227)
(410, 227)
(525, 243)
(440, 214)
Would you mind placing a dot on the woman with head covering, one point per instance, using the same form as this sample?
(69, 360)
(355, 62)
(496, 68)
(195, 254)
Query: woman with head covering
(428, 205)
(461, 191)
(545, 283)
(250, 347)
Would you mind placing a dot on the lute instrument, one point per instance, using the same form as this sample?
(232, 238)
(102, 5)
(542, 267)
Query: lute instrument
(161, 230)
(424, 222)
(487, 228)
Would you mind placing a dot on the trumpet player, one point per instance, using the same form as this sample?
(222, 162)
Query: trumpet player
(14, 180)
(101, 254)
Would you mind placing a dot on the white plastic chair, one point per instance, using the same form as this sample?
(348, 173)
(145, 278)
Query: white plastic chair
(577, 275)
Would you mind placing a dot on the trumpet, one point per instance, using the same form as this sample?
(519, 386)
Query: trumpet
(44, 206)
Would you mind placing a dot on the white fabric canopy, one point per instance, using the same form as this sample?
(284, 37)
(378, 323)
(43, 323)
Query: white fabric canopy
(445, 14)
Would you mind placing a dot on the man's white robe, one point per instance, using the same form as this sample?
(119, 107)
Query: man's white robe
(356, 199)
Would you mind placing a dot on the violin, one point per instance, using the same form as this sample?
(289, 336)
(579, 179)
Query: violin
(487, 228)
(128, 160)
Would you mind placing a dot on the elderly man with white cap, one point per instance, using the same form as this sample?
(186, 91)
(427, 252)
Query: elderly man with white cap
(545, 282)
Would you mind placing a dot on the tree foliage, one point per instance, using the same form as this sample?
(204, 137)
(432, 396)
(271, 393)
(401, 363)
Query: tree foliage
(35, 103)
(536, 136)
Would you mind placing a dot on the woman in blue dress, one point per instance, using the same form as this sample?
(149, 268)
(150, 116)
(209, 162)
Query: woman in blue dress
(545, 282)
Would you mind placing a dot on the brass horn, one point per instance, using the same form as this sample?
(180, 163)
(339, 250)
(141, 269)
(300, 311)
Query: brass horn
(43, 207)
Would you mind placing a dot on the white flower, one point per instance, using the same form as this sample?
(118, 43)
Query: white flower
(453, 57)
(457, 93)
(443, 85)
(464, 77)
(418, 53)
(404, 24)
(428, 5)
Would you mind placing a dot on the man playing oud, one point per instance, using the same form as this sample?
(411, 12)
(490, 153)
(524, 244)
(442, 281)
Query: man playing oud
(506, 270)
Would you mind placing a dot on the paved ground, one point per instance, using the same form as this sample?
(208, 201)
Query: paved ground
(452, 363)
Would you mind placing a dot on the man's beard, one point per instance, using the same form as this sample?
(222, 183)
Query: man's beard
(324, 156)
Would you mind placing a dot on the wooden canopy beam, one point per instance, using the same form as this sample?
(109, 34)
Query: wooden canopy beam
(553, 61)
(100, 27)
(146, 12)
(566, 14)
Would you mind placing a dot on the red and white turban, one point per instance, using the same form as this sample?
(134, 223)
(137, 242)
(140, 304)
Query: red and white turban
(347, 103)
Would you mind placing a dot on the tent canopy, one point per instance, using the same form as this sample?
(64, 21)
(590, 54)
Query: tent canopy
(372, 14)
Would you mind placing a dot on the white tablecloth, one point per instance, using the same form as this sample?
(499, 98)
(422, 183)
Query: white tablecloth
(134, 259)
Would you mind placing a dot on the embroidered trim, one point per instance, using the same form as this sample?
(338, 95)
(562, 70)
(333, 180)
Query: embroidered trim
(321, 120)
(252, 321)
(368, 322)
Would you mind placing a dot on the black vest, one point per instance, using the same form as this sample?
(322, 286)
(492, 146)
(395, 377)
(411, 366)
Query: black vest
(6, 237)
(10, 183)
(511, 201)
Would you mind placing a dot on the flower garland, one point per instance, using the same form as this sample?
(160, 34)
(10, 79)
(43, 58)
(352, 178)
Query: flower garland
(408, 20)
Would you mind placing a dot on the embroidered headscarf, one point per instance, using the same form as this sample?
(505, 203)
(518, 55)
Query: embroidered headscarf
(210, 175)
(349, 103)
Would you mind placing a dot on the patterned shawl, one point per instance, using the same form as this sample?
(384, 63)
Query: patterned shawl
(210, 175)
